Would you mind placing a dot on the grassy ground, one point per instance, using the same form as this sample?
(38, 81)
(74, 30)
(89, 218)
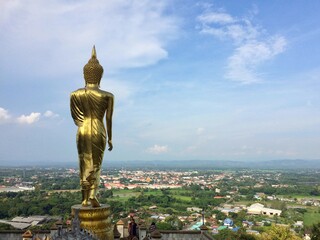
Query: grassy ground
(154, 192)
(299, 196)
(311, 217)
(183, 198)
(125, 194)
(181, 194)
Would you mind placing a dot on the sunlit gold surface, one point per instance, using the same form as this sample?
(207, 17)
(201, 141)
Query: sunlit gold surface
(88, 106)
(96, 220)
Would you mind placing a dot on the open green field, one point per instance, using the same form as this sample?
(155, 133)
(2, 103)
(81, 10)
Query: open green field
(311, 217)
(178, 191)
(183, 198)
(181, 194)
(299, 196)
(125, 194)
(154, 192)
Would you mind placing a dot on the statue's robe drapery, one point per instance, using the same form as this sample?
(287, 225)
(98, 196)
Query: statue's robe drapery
(88, 107)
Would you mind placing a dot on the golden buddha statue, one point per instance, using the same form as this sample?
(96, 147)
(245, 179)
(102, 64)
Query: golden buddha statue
(88, 106)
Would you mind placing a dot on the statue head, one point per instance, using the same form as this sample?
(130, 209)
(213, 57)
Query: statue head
(93, 71)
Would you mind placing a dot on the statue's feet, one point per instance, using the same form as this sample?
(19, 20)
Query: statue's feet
(85, 203)
(94, 202)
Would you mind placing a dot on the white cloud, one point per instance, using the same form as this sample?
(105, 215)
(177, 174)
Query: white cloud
(26, 119)
(4, 115)
(127, 34)
(238, 30)
(242, 64)
(121, 89)
(252, 45)
(200, 130)
(29, 119)
(216, 17)
(50, 114)
(157, 149)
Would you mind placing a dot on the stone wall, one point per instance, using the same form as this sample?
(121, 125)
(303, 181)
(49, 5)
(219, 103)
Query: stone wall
(182, 235)
(17, 234)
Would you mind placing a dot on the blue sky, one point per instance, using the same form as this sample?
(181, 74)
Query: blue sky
(214, 80)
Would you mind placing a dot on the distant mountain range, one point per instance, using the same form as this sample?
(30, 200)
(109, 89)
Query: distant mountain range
(216, 164)
(188, 164)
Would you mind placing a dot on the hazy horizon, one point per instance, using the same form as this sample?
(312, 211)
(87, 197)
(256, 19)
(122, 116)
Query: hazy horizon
(231, 81)
(181, 164)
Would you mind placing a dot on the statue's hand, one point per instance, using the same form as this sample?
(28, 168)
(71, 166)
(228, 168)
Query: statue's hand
(110, 145)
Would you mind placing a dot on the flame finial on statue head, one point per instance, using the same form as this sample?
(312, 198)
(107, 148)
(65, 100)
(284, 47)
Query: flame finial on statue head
(93, 71)
(94, 53)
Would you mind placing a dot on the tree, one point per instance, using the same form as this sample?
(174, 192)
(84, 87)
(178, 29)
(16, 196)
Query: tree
(245, 236)
(165, 226)
(238, 217)
(169, 211)
(107, 194)
(279, 205)
(220, 216)
(315, 232)
(174, 221)
(225, 234)
(4, 226)
(279, 233)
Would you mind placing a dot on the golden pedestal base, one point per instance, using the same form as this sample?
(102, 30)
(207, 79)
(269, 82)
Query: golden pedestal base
(97, 220)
